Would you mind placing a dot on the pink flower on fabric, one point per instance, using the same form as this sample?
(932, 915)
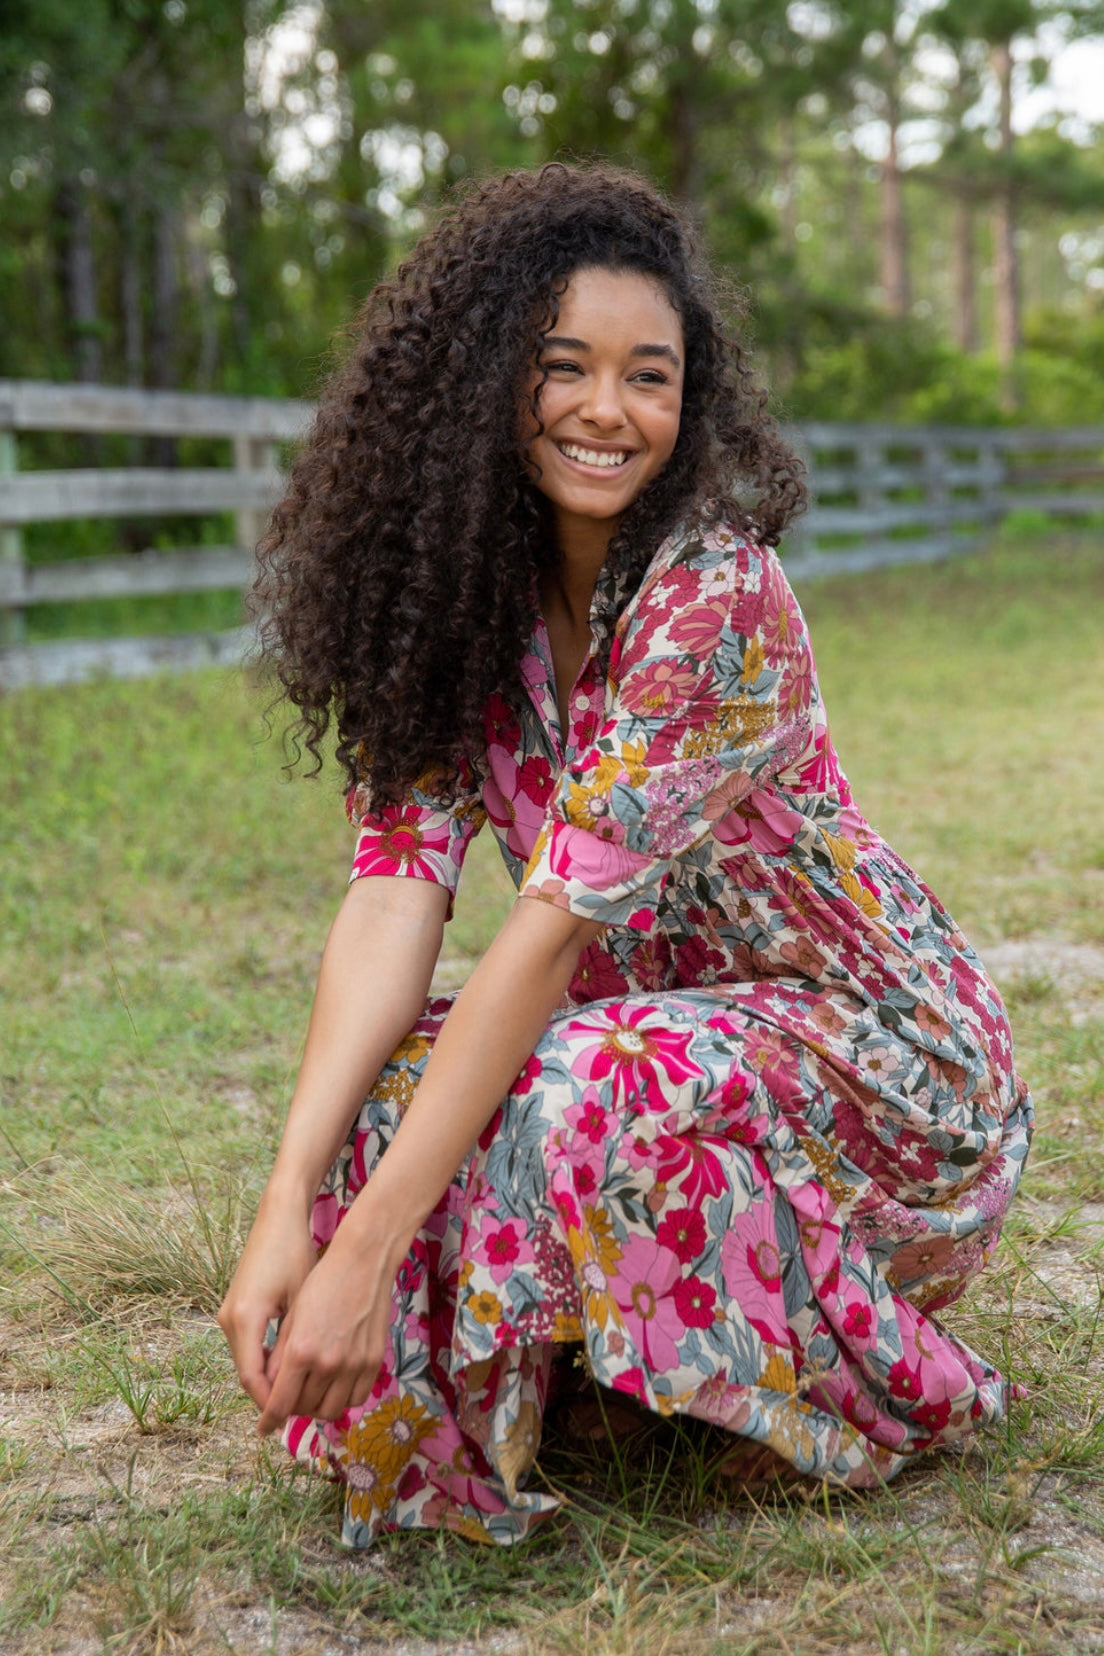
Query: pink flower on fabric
(698, 627)
(529, 1074)
(775, 1056)
(576, 854)
(933, 1416)
(632, 1382)
(752, 1269)
(795, 687)
(597, 976)
(535, 779)
(641, 1289)
(403, 843)
(690, 1160)
(588, 1118)
(325, 1217)
(682, 1230)
(904, 1381)
(636, 1050)
(659, 687)
(499, 1247)
(859, 1322)
(921, 1257)
(695, 1300)
(650, 960)
(509, 806)
(761, 819)
(781, 628)
(696, 962)
(804, 957)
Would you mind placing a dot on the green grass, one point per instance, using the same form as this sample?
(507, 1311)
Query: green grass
(164, 899)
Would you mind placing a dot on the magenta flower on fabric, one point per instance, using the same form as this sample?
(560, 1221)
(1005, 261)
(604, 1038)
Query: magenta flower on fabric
(635, 1051)
(404, 844)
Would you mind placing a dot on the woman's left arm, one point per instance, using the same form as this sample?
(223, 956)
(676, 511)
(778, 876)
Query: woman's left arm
(334, 1337)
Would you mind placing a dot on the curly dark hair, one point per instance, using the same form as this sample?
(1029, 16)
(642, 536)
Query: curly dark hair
(399, 573)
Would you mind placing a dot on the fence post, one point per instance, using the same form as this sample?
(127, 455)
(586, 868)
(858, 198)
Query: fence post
(12, 622)
(253, 454)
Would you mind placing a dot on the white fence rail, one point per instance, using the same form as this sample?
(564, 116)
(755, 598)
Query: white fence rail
(881, 495)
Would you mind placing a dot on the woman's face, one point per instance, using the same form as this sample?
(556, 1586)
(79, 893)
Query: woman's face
(610, 400)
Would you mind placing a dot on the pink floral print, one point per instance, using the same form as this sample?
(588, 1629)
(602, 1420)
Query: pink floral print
(773, 1131)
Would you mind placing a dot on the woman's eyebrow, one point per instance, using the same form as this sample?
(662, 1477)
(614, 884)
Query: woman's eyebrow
(656, 351)
(562, 342)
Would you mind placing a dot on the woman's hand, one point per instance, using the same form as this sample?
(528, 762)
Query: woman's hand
(276, 1261)
(333, 1340)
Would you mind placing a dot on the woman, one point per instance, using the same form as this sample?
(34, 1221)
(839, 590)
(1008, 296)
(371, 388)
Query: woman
(729, 1103)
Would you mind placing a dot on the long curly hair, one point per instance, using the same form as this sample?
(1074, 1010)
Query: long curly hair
(398, 576)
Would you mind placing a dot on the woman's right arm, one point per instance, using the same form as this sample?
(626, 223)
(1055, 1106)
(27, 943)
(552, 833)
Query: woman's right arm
(372, 986)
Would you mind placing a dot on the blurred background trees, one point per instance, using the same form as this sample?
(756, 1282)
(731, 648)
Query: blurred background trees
(199, 192)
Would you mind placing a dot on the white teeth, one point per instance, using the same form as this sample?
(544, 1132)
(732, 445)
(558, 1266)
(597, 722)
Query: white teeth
(593, 457)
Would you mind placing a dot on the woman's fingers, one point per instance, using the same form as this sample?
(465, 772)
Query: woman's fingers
(246, 1339)
(305, 1386)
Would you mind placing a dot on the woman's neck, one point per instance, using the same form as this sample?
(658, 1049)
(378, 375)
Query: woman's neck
(568, 586)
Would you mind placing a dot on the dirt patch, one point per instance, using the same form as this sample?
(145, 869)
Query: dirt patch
(1076, 971)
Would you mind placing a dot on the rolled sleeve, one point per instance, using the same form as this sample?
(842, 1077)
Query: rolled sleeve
(425, 837)
(695, 724)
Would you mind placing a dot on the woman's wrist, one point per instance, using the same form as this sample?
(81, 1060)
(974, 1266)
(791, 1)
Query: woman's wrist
(288, 1192)
(380, 1221)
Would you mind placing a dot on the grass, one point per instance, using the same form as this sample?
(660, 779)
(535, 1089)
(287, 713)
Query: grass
(165, 897)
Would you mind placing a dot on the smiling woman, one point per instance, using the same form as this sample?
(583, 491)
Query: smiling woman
(728, 1107)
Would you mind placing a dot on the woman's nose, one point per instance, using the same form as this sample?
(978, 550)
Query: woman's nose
(603, 402)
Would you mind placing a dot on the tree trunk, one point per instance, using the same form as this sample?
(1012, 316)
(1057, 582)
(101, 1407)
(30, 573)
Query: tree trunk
(166, 296)
(1006, 267)
(78, 280)
(895, 275)
(787, 168)
(130, 289)
(965, 291)
(684, 146)
(166, 305)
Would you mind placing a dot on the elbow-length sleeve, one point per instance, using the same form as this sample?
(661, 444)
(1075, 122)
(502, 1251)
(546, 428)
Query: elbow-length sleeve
(426, 836)
(709, 700)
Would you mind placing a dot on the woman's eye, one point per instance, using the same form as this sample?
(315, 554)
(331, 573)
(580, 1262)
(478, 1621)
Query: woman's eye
(650, 376)
(561, 367)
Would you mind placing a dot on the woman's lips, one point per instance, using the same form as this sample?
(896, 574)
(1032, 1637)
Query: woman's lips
(604, 459)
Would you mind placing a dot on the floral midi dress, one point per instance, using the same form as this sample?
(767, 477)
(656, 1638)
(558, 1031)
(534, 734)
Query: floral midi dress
(773, 1129)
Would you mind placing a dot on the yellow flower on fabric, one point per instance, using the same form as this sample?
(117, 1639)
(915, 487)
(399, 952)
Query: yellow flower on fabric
(397, 1087)
(607, 771)
(754, 661)
(412, 1049)
(632, 763)
(600, 1239)
(842, 850)
(863, 899)
(516, 1451)
(566, 1329)
(779, 1374)
(368, 1493)
(486, 1307)
(588, 806)
(596, 1253)
(470, 1528)
(379, 1447)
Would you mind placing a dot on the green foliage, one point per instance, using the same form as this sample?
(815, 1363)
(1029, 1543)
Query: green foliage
(196, 194)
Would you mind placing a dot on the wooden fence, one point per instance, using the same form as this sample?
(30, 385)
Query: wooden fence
(881, 495)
